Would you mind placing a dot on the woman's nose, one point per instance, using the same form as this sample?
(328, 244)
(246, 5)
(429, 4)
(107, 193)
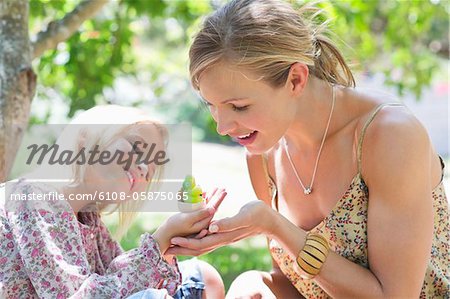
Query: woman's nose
(225, 124)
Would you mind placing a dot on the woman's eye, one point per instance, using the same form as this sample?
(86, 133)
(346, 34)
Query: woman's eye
(234, 107)
(242, 108)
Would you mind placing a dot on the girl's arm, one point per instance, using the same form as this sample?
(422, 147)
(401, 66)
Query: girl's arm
(55, 259)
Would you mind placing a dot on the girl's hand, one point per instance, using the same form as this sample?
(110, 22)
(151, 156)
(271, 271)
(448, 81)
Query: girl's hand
(185, 224)
(254, 218)
(213, 199)
(182, 224)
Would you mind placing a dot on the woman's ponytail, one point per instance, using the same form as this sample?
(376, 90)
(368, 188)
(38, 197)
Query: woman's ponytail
(329, 64)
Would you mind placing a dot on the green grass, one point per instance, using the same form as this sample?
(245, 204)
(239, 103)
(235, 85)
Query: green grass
(230, 261)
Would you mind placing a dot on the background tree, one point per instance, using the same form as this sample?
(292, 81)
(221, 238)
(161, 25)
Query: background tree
(139, 48)
(17, 79)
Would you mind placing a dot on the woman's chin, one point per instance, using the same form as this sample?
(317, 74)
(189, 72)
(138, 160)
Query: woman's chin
(258, 148)
(255, 150)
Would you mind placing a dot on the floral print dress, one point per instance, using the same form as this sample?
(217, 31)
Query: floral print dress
(46, 252)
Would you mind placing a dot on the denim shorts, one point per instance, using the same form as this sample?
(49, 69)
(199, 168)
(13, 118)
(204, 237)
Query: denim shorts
(192, 285)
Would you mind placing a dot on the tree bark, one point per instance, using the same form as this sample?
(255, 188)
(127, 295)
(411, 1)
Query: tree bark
(17, 80)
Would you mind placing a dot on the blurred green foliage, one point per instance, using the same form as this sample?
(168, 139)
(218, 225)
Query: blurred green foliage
(233, 260)
(401, 39)
(145, 43)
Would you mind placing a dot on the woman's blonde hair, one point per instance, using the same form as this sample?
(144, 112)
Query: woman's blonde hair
(267, 37)
(93, 127)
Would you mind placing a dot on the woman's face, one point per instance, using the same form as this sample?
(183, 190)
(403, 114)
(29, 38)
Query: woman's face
(142, 141)
(246, 108)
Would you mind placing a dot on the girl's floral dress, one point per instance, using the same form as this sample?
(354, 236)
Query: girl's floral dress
(46, 252)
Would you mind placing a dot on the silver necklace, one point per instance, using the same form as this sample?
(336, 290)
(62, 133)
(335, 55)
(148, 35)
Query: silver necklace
(307, 190)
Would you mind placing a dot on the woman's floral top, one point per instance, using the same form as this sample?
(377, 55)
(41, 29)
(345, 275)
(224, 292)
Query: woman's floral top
(345, 228)
(346, 231)
(46, 252)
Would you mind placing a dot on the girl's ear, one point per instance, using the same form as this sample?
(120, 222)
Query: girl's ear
(297, 78)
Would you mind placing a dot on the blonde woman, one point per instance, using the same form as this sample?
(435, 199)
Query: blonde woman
(61, 248)
(350, 187)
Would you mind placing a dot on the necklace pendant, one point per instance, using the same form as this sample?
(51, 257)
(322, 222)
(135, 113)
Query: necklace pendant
(307, 191)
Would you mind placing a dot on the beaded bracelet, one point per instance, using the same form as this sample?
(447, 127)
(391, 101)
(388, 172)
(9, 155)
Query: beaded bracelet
(312, 256)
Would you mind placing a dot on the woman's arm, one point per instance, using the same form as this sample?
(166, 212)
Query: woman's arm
(396, 168)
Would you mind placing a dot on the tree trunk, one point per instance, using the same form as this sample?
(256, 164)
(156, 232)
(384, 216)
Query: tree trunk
(17, 80)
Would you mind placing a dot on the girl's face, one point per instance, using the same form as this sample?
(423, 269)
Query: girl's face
(246, 108)
(136, 144)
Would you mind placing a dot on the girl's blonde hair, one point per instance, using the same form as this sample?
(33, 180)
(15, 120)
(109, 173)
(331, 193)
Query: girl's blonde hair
(93, 127)
(267, 37)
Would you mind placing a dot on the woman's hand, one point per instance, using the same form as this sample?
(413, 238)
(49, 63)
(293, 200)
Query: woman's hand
(185, 224)
(247, 222)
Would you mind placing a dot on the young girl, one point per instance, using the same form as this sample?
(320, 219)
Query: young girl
(350, 187)
(61, 248)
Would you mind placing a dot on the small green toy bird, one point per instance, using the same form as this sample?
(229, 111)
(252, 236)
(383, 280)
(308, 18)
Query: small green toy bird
(194, 193)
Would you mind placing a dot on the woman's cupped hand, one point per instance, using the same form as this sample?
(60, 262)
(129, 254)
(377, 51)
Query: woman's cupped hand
(254, 218)
(193, 224)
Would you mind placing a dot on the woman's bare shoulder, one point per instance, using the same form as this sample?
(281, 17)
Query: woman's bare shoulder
(393, 137)
(384, 112)
(392, 123)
